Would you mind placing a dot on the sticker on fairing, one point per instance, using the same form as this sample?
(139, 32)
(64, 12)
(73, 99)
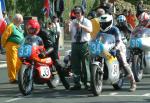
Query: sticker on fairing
(45, 72)
(136, 43)
(115, 70)
(25, 51)
(95, 47)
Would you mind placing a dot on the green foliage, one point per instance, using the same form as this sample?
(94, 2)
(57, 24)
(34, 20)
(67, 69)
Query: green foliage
(10, 6)
(29, 7)
(33, 7)
(25, 7)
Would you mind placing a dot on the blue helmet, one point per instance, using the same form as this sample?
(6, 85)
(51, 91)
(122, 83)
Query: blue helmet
(121, 18)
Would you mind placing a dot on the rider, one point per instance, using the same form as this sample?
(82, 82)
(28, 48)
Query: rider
(51, 51)
(123, 26)
(144, 20)
(33, 28)
(106, 22)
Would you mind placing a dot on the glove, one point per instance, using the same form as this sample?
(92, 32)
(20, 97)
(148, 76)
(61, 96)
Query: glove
(42, 55)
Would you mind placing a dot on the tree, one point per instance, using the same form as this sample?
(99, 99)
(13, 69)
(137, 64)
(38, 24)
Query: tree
(10, 6)
(25, 7)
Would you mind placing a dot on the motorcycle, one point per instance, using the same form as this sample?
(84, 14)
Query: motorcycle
(34, 69)
(139, 45)
(105, 64)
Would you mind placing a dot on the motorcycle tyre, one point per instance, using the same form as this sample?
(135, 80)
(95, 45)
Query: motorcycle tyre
(96, 88)
(138, 75)
(27, 90)
(54, 81)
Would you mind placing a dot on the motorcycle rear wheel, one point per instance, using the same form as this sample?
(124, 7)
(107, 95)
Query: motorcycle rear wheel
(96, 80)
(24, 82)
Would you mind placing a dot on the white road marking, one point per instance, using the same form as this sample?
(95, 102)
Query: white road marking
(19, 96)
(147, 94)
(144, 95)
(3, 65)
(113, 93)
(14, 99)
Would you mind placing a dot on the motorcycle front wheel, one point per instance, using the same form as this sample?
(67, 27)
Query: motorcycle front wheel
(54, 80)
(25, 81)
(96, 80)
(137, 68)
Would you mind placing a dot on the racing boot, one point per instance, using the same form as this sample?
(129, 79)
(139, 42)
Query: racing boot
(131, 78)
(133, 83)
(61, 74)
(77, 83)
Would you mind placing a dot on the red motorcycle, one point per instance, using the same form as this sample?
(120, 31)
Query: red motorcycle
(34, 69)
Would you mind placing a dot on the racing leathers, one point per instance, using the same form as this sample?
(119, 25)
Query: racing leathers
(51, 47)
(120, 46)
(125, 28)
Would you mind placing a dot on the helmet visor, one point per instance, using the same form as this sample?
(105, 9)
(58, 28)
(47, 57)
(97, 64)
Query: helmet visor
(32, 31)
(105, 25)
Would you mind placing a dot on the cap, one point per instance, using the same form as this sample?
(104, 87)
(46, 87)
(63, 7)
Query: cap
(77, 9)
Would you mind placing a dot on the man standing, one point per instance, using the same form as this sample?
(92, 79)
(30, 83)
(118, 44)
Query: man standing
(11, 39)
(140, 8)
(80, 29)
(59, 8)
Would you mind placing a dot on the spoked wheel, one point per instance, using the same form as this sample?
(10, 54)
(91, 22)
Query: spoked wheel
(137, 68)
(96, 80)
(54, 80)
(25, 80)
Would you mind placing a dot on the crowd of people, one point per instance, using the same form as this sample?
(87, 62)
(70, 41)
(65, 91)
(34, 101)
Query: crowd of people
(82, 29)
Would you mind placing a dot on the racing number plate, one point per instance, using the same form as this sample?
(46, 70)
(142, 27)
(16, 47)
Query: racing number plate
(135, 43)
(45, 72)
(25, 51)
(95, 47)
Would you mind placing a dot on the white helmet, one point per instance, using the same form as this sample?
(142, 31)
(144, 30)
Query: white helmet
(106, 22)
(144, 18)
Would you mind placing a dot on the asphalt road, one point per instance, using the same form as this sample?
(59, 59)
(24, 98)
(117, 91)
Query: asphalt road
(9, 93)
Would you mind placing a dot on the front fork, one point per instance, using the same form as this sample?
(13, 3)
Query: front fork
(31, 71)
(99, 62)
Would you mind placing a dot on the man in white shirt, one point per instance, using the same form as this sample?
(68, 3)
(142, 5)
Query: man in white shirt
(80, 29)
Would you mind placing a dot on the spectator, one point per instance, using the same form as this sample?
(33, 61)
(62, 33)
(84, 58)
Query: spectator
(57, 30)
(11, 39)
(100, 12)
(91, 15)
(59, 8)
(107, 6)
(72, 15)
(95, 22)
(131, 18)
(80, 29)
(6, 17)
(140, 8)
